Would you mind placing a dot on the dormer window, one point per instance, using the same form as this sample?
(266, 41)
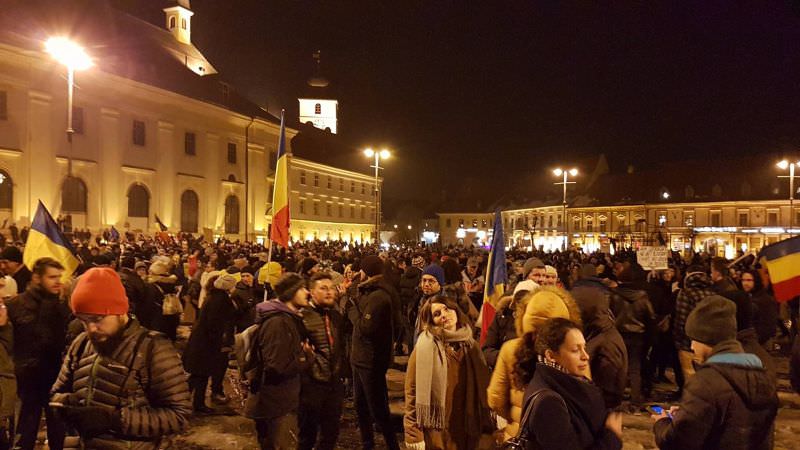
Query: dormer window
(172, 22)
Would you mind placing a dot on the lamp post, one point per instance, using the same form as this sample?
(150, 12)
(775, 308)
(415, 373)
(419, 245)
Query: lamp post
(73, 57)
(783, 165)
(383, 154)
(565, 173)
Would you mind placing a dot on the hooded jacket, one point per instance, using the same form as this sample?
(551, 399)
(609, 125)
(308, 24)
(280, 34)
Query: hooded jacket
(279, 344)
(635, 312)
(505, 398)
(730, 403)
(696, 287)
(371, 317)
(608, 357)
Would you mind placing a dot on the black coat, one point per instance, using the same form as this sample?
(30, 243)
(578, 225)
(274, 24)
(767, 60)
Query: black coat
(134, 288)
(501, 329)
(569, 414)
(330, 361)
(765, 315)
(245, 300)
(730, 403)
(409, 283)
(212, 331)
(371, 316)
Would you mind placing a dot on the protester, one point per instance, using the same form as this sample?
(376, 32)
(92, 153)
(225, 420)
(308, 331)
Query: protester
(445, 385)
(696, 286)
(120, 386)
(8, 380)
(765, 308)
(730, 402)
(503, 328)
(283, 354)
(11, 264)
(39, 319)
(567, 411)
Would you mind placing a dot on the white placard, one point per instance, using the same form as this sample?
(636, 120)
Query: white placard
(653, 258)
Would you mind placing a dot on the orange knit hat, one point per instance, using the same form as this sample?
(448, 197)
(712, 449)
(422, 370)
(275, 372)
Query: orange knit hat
(99, 291)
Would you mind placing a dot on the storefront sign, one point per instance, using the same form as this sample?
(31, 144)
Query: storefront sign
(652, 258)
(715, 230)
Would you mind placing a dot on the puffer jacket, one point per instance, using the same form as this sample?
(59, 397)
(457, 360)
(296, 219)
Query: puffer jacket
(696, 287)
(330, 361)
(504, 395)
(730, 403)
(636, 314)
(153, 396)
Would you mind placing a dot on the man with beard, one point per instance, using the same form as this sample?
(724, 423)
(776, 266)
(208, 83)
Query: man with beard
(120, 386)
(39, 320)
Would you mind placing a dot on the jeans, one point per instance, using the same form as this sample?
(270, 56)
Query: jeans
(34, 398)
(635, 343)
(372, 406)
(320, 411)
(278, 433)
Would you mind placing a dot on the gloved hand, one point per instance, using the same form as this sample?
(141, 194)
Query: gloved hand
(91, 421)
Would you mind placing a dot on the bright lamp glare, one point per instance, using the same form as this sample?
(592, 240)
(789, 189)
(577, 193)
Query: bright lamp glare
(665, 195)
(783, 164)
(557, 172)
(573, 172)
(385, 154)
(369, 153)
(68, 53)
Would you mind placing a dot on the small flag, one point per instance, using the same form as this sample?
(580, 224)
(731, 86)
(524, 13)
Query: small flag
(782, 260)
(160, 224)
(45, 240)
(279, 231)
(114, 233)
(496, 276)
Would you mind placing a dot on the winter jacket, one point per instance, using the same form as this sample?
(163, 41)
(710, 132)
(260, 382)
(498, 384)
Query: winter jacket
(568, 413)
(330, 357)
(134, 288)
(212, 331)
(39, 321)
(730, 403)
(371, 316)
(696, 287)
(282, 360)
(749, 340)
(608, 357)
(245, 301)
(635, 312)
(408, 288)
(502, 329)
(153, 395)
(8, 380)
(765, 315)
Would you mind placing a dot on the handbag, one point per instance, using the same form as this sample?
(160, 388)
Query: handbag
(520, 441)
(171, 305)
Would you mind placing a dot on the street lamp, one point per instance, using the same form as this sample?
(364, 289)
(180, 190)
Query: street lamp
(783, 165)
(378, 155)
(565, 173)
(73, 57)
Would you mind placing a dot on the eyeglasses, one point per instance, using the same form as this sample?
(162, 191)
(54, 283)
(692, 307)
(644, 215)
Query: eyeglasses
(90, 318)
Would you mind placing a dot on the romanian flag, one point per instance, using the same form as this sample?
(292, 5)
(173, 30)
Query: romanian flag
(782, 260)
(46, 240)
(496, 277)
(279, 231)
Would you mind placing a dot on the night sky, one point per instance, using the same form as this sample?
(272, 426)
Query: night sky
(486, 92)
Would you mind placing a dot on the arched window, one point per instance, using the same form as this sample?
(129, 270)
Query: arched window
(138, 201)
(73, 195)
(232, 215)
(6, 190)
(189, 211)
(172, 22)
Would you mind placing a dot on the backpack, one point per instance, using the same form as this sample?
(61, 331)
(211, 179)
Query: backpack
(171, 304)
(246, 348)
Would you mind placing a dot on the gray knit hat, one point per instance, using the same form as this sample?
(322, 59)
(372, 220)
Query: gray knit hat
(530, 264)
(225, 282)
(712, 321)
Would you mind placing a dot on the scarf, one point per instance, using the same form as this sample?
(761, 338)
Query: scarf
(431, 374)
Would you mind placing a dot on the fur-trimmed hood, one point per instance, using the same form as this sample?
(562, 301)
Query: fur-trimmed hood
(547, 302)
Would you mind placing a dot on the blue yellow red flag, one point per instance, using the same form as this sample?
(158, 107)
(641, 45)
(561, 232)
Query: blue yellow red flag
(279, 230)
(782, 260)
(46, 240)
(496, 276)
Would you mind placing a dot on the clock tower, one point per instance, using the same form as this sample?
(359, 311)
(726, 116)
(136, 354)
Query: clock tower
(316, 107)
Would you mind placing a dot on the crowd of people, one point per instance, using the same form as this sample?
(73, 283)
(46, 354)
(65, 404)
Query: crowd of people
(576, 340)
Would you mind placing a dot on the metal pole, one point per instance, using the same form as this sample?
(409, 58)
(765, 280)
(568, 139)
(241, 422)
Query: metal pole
(70, 131)
(566, 223)
(377, 202)
(791, 198)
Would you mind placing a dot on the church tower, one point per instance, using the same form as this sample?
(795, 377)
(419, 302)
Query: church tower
(179, 20)
(316, 108)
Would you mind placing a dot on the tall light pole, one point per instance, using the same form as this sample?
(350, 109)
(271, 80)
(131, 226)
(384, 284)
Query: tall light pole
(383, 154)
(73, 57)
(559, 172)
(783, 165)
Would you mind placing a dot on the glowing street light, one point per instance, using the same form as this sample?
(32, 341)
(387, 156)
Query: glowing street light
(665, 195)
(565, 173)
(378, 155)
(73, 57)
(783, 165)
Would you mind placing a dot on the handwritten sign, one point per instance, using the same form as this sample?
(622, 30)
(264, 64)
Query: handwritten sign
(653, 258)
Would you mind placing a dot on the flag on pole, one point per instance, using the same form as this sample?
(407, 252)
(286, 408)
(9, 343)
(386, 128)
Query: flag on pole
(496, 276)
(279, 231)
(45, 240)
(782, 260)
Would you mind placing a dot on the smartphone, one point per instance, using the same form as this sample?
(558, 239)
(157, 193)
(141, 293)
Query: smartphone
(657, 410)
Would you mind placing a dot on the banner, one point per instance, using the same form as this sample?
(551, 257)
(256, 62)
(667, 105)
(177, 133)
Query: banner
(653, 258)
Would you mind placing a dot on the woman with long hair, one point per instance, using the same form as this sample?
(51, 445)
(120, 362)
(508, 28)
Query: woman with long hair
(567, 410)
(445, 386)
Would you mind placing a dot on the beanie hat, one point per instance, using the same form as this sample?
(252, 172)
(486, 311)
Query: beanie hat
(418, 262)
(99, 291)
(530, 264)
(9, 288)
(550, 270)
(526, 285)
(307, 265)
(712, 321)
(372, 265)
(11, 253)
(435, 271)
(288, 285)
(544, 305)
(225, 282)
